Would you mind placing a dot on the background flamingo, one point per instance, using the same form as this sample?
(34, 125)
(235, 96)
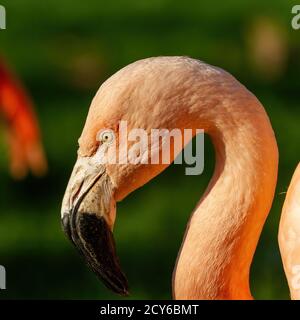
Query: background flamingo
(221, 237)
(23, 133)
(289, 235)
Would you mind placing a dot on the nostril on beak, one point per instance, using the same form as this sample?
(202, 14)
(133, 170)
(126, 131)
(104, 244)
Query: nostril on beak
(76, 193)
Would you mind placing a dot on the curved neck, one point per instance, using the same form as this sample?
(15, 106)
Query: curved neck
(224, 229)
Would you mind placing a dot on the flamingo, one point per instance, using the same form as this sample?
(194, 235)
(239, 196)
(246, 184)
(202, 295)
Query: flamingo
(23, 131)
(223, 231)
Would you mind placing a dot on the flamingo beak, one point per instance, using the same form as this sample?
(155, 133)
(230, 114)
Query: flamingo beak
(88, 214)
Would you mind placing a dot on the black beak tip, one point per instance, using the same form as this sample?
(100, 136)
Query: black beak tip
(93, 238)
(125, 293)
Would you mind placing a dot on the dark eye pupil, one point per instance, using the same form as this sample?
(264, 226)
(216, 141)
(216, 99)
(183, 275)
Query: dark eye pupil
(107, 137)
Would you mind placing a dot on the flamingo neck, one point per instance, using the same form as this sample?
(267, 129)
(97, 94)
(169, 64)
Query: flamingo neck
(222, 235)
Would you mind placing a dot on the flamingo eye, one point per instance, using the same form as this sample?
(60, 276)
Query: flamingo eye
(106, 136)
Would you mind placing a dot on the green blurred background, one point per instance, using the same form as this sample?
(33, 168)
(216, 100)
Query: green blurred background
(63, 50)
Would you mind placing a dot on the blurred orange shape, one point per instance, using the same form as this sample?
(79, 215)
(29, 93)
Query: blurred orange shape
(26, 151)
(268, 47)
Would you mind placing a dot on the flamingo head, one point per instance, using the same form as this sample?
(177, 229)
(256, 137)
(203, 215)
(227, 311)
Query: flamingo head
(140, 94)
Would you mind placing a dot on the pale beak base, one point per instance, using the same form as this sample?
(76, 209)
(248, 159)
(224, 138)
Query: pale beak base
(86, 220)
